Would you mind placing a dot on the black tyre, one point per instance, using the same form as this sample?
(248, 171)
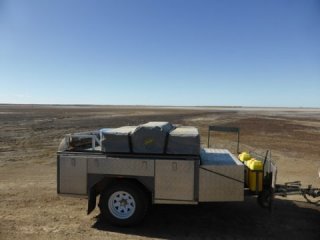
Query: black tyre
(265, 199)
(123, 204)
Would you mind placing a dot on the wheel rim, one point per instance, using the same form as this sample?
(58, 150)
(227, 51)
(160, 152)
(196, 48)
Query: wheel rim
(121, 204)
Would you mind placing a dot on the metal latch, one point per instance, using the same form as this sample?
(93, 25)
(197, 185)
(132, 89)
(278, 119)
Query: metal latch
(174, 166)
(145, 165)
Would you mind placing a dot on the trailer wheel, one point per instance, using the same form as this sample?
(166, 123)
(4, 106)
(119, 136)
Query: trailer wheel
(265, 199)
(123, 204)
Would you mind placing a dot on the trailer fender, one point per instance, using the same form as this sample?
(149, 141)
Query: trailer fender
(98, 182)
(92, 200)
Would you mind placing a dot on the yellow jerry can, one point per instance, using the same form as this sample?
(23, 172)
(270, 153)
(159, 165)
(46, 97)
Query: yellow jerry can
(244, 156)
(255, 175)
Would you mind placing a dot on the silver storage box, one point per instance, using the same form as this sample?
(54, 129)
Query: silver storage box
(184, 140)
(174, 180)
(221, 176)
(116, 139)
(150, 137)
(72, 175)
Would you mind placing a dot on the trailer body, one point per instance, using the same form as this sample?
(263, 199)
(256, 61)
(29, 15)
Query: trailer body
(215, 176)
(128, 181)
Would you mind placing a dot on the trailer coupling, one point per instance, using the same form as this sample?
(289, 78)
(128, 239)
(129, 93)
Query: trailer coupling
(294, 188)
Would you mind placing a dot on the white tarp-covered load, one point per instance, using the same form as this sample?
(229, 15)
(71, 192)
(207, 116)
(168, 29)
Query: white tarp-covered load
(184, 140)
(116, 140)
(150, 137)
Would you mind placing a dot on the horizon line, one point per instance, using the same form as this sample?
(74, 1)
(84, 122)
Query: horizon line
(163, 106)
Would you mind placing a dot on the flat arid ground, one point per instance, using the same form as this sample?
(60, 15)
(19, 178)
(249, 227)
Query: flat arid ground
(31, 209)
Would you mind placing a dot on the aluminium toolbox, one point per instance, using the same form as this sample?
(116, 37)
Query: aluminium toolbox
(116, 140)
(150, 137)
(184, 140)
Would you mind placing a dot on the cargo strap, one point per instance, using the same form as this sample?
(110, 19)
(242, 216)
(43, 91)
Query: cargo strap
(222, 175)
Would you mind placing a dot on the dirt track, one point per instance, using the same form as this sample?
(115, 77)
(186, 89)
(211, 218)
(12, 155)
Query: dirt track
(31, 209)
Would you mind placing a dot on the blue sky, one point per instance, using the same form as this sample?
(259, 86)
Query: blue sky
(168, 52)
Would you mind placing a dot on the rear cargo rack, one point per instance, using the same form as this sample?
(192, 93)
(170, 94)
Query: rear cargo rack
(224, 129)
(90, 141)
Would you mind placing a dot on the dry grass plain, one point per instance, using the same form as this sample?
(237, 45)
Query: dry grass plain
(31, 209)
